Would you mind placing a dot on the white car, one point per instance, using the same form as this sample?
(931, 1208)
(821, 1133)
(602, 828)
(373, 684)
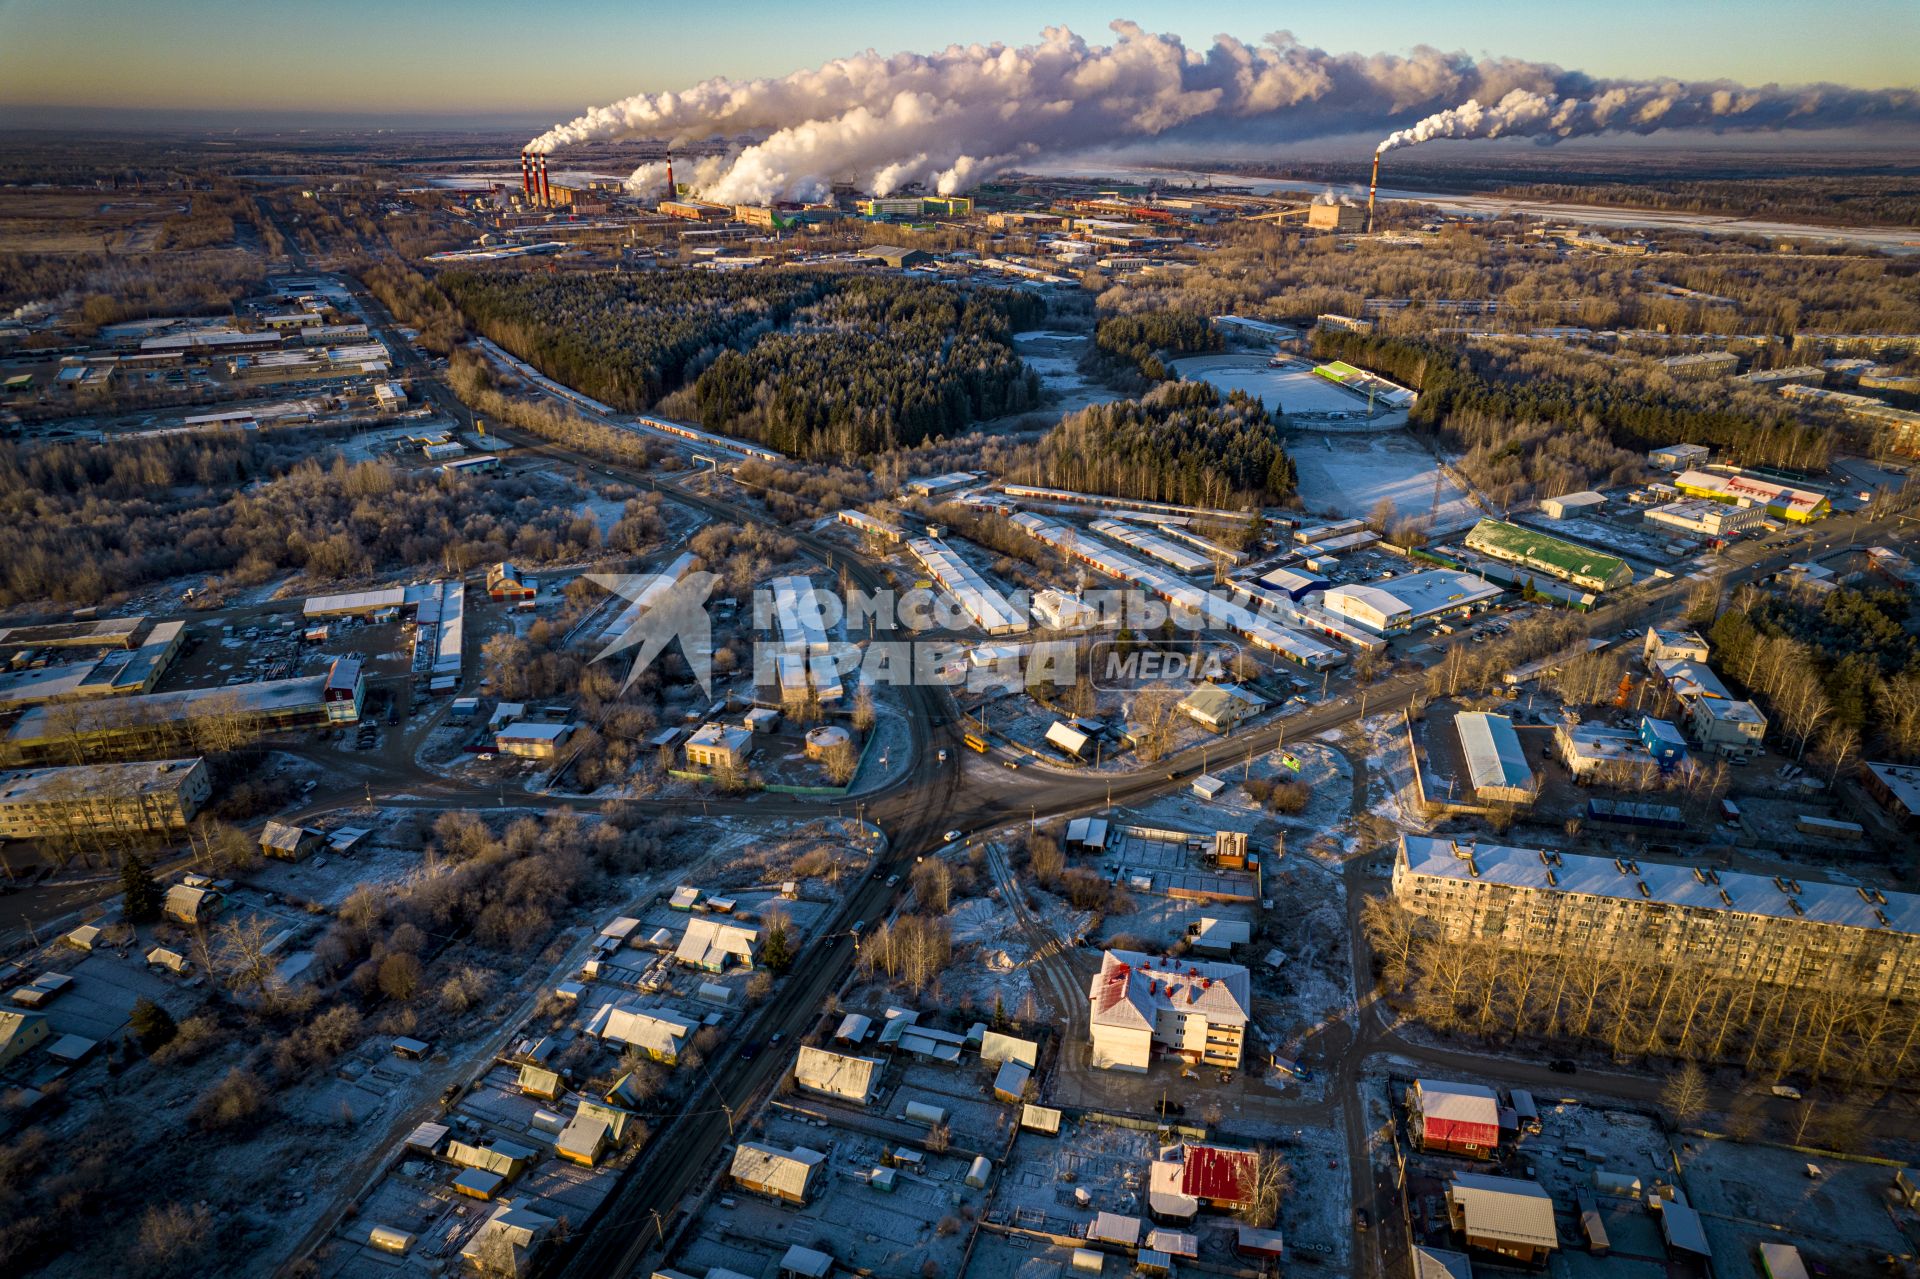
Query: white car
(953, 837)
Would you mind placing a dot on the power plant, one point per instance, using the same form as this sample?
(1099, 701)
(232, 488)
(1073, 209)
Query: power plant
(533, 179)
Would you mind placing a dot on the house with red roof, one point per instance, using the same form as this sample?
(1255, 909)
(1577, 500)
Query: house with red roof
(1194, 1175)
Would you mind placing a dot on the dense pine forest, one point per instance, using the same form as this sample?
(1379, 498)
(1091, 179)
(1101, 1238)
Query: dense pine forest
(1181, 442)
(875, 364)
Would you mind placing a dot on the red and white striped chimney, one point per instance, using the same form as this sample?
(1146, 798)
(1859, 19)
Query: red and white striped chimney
(546, 193)
(672, 192)
(526, 174)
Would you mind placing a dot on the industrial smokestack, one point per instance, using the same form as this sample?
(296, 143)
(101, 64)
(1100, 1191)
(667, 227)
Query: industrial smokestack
(546, 193)
(1372, 188)
(673, 192)
(526, 175)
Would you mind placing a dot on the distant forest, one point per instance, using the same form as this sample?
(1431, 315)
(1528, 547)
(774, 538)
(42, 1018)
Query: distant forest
(1180, 443)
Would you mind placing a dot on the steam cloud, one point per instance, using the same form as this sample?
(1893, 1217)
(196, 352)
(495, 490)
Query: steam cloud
(954, 119)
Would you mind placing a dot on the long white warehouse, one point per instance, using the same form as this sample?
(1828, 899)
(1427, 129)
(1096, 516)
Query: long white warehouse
(1218, 610)
(1147, 543)
(988, 608)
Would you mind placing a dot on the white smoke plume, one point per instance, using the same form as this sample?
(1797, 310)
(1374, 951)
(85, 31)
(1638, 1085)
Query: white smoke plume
(1646, 107)
(951, 120)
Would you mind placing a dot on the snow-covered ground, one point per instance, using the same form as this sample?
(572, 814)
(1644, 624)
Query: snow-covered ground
(1348, 474)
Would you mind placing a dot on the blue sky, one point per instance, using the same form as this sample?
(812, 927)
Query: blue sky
(533, 60)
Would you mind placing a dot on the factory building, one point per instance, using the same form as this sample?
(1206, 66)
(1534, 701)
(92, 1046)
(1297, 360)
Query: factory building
(157, 797)
(1180, 558)
(1336, 217)
(1569, 561)
(1724, 923)
(717, 745)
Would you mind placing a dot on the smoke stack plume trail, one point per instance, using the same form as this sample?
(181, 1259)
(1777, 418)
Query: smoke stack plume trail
(959, 117)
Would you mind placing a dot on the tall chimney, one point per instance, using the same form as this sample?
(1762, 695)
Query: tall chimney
(526, 175)
(672, 192)
(1373, 187)
(546, 193)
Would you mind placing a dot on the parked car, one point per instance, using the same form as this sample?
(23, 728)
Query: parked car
(1361, 1221)
(1561, 1066)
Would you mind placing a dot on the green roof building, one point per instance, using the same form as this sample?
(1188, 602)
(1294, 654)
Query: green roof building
(1569, 561)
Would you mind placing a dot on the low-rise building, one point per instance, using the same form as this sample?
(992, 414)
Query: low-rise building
(288, 841)
(1393, 606)
(1570, 504)
(1594, 753)
(505, 582)
(660, 1033)
(1670, 644)
(714, 945)
(1196, 1010)
(832, 1074)
(1896, 788)
(1503, 1215)
(532, 741)
(1456, 1119)
(1734, 488)
(1220, 707)
(158, 798)
(779, 1174)
(1704, 517)
(190, 904)
(717, 745)
(1556, 557)
(1720, 722)
(1195, 1175)
(1497, 765)
(20, 1032)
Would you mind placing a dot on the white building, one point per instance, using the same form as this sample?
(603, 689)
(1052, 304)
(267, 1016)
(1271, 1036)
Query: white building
(1197, 1010)
(1707, 518)
(715, 945)
(1669, 644)
(1720, 722)
(1559, 508)
(1393, 606)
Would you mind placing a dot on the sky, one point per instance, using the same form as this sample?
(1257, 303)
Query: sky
(491, 62)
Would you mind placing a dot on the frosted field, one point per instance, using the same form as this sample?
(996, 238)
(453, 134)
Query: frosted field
(1293, 390)
(1347, 475)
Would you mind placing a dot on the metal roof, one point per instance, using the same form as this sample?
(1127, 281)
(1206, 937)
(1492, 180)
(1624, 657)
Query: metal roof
(1835, 904)
(1579, 564)
(1505, 1208)
(1495, 759)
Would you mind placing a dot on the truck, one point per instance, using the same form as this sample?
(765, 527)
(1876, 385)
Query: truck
(975, 742)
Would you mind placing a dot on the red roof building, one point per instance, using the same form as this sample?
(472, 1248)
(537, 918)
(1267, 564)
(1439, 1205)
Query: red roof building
(1460, 1119)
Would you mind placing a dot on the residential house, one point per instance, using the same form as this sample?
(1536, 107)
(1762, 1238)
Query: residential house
(779, 1174)
(1197, 1010)
(285, 840)
(1503, 1215)
(715, 945)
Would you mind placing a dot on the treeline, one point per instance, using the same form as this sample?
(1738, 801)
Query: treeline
(1139, 340)
(628, 339)
(1526, 430)
(416, 302)
(878, 363)
(1854, 200)
(79, 522)
(1836, 675)
(1181, 443)
(1638, 1008)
